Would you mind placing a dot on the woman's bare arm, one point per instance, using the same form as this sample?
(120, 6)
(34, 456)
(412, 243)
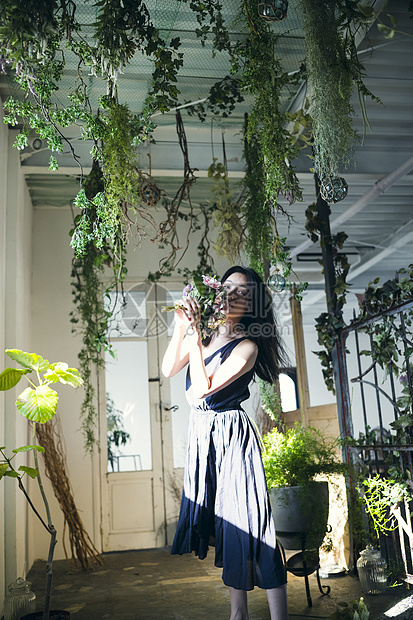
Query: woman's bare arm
(240, 361)
(177, 354)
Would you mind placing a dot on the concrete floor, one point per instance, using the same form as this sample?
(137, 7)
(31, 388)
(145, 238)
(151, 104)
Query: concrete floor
(153, 585)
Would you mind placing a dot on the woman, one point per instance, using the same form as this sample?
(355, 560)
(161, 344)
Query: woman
(225, 501)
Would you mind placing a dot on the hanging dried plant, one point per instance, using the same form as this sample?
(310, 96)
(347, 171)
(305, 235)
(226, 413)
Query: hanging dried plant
(227, 215)
(333, 70)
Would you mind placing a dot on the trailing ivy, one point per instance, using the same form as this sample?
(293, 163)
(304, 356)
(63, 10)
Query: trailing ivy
(329, 324)
(227, 216)
(33, 39)
(90, 319)
(333, 69)
(388, 335)
(269, 148)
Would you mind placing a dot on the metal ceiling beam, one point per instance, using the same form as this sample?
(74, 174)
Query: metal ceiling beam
(374, 192)
(75, 171)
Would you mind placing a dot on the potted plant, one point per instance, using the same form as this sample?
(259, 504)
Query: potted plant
(353, 610)
(292, 461)
(37, 403)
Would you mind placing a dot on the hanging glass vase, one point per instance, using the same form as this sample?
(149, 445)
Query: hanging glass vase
(20, 600)
(276, 283)
(372, 570)
(272, 10)
(333, 188)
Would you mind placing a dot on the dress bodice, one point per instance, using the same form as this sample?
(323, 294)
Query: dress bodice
(229, 397)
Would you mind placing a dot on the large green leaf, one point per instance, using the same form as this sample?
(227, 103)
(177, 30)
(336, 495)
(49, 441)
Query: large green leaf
(39, 404)
(10, 377)
(11, 474)
(30, 471)
(60, 372)
(28, 448)
(28, 360)
(3, 469)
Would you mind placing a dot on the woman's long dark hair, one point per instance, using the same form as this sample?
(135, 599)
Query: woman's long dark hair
(259, 325)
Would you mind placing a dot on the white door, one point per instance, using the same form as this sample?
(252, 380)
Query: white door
(147, 416)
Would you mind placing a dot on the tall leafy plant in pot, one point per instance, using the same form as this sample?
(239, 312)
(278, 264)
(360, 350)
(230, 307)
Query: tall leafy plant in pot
(292, 462)
(38, 403)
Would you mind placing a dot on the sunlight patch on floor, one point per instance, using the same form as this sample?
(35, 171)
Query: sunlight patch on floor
(400, 608)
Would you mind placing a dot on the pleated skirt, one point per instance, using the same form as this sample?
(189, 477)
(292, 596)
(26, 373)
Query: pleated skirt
(225, 501)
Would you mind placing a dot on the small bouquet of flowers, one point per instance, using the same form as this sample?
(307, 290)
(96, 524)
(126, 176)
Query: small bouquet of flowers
(212, 298)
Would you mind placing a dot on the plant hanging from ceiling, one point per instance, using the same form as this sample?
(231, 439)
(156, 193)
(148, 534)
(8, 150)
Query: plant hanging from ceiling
(36, 38)
(167, 235)
(269, 147)
(333, 70)
(262, 75)
(227, 214)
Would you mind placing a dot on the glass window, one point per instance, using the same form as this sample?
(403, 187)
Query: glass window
(288, 393)
(128, 408)
(128, 314)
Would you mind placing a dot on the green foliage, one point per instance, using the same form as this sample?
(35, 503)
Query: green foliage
(31, 361)
(257, 210)
(90, 319)
(333, 69)
(211, 21)
(378, 495)
(271, 401)
(221, 101)
(329, 324)
(116, 434)
(261, 74)
(353, 610)
(296, 457)
(30, 39)
(386, 336)
(11, 376)
(269, 148)
(37, 403)
(226, 215)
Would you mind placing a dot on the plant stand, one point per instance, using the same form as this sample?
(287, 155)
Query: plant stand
(303, 564)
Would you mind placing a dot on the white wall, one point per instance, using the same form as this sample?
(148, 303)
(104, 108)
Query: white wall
(3, 203)
(15, 332)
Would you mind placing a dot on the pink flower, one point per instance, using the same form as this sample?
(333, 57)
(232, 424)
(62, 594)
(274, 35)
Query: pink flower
(211, 282)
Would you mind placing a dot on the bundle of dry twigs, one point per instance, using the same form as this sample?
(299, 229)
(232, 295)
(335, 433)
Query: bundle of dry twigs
(49, 436)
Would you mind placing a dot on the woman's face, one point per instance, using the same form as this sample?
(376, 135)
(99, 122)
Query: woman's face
(239, 295)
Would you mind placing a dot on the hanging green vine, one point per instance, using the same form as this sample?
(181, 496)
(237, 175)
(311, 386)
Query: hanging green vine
(328, 324)
(227, 216)
(34, 37)
(91, 316)
(257, 210)
(269, 148)
(333, 69)
(261, 74)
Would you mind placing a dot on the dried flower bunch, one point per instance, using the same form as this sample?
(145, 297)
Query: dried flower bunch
(212, 298)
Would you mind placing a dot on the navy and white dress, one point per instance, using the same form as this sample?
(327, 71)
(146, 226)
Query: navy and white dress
(225, 501)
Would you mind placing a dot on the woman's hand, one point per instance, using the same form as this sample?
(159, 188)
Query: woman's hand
(191, 314)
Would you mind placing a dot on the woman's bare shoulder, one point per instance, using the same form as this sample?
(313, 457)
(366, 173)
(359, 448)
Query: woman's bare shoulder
(246, 347)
